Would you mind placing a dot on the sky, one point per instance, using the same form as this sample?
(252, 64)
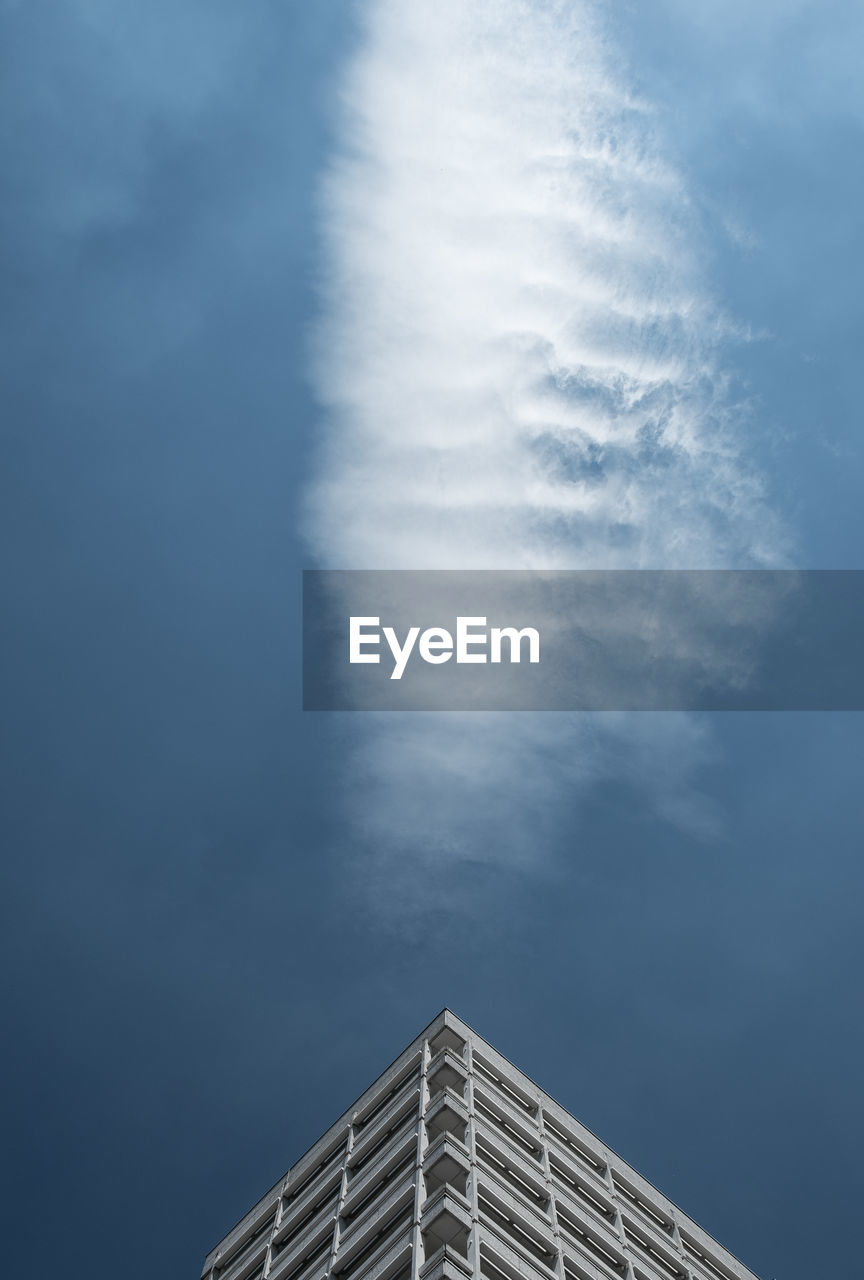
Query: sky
(267, 273)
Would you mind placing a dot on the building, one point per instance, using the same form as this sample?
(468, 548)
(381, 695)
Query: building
(453, 1165)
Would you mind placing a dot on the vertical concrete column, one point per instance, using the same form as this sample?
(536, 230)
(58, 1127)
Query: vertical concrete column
(473, 1200)
(280, 1205)
(679, 1248)
(277, 1217)
(268, 1257)
(343, 1188)
(416, 1234)
(619, 1221)
(553, 1208)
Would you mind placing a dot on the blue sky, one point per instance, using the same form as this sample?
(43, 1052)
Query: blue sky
(213, 905)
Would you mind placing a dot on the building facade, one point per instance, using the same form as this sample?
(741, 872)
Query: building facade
(453, 1165)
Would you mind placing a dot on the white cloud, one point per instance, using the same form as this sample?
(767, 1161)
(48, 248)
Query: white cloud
(520, 369)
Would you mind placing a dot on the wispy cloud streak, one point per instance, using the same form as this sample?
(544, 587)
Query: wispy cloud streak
(520, 367)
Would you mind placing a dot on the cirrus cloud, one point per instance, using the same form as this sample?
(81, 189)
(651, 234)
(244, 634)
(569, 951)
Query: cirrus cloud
(520, 366)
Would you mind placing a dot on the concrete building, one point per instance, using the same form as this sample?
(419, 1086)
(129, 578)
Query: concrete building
(453, 1165)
